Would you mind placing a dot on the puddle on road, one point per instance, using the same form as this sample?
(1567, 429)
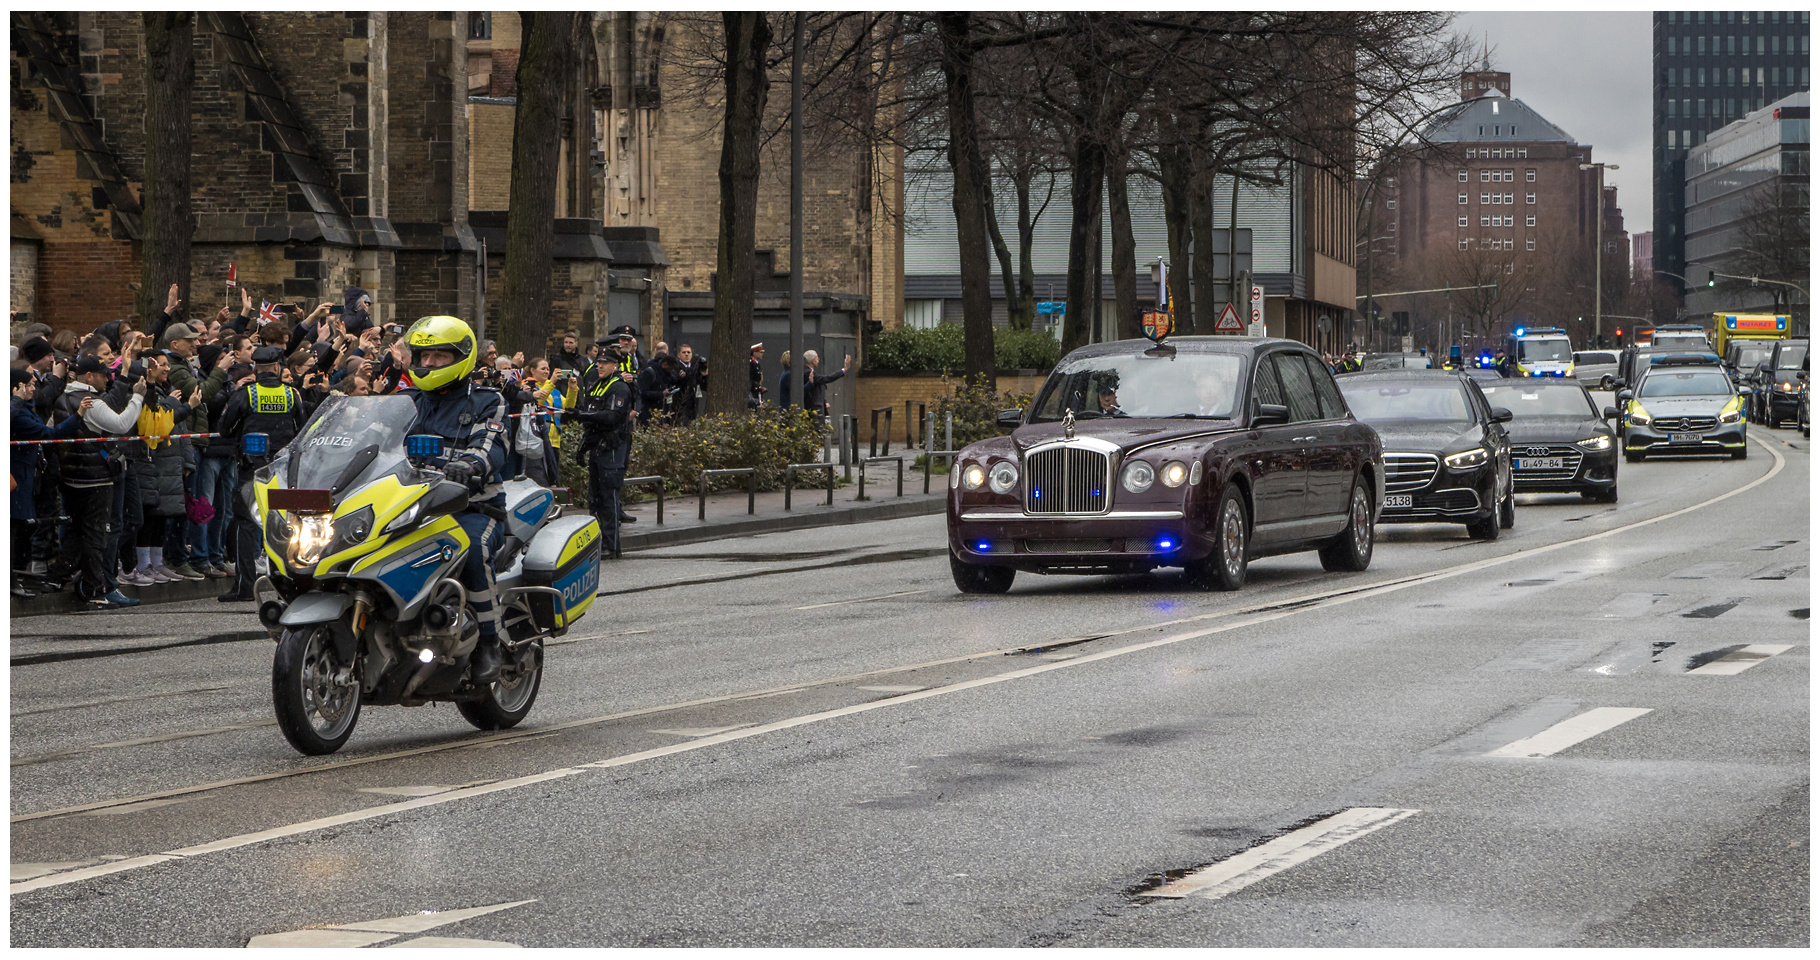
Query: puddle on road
(1710, 611)
(889, 556)
(1800, 614)
(1702, 659)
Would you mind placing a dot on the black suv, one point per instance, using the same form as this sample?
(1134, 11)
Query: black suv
(1446, 452)
(1778, 390)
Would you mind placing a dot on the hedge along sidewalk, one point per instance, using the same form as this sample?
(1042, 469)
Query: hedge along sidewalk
(726, 518)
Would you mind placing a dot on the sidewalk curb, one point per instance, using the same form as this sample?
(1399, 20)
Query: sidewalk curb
(804, 518)
(807, 519)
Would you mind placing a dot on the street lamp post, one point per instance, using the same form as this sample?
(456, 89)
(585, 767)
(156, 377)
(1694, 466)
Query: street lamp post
(1599, 249)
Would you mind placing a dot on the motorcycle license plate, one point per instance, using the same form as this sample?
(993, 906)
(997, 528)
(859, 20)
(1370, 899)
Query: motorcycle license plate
(1693, 437)
(1540, 463)
(1395, 500)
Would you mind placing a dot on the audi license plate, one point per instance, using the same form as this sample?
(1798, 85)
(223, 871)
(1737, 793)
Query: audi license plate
(1395, 500)
(1541, 463)
(1693, 437)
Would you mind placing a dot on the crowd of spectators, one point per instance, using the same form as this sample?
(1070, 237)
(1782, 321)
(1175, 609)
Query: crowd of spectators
(154, 505)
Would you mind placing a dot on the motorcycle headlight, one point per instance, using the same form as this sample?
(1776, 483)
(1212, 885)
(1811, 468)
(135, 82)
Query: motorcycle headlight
(405, 519)
(352, 530)
(1174, 473)
(312, 535)
(1003, 476)
(973, 477)
(1600, 442)
(1137, 476)
(1468, 459)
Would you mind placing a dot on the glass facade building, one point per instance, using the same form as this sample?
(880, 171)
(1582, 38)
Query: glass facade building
(1712, 68)
(1741, 170)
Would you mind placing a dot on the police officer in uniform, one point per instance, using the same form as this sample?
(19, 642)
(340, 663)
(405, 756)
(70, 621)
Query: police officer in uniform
(471, 419)
(606, 412)
(265, 406)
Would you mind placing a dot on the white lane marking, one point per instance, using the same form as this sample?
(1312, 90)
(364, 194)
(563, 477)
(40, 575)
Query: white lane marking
(425, 790)
(26, 871)
(593, 636)
(1739, 661)
(451, 942)
(700, 731)
(1244, 869)
(890, 689)
(1569, 732)
(116, 702)
(135, 807)
(318, 939)
(1275, 611)
(836, 603)
(490, 744)
(419, 922)
(142, 741)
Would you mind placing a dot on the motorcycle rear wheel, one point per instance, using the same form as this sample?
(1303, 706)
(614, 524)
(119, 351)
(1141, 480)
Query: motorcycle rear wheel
(508, 699)
(316, 714)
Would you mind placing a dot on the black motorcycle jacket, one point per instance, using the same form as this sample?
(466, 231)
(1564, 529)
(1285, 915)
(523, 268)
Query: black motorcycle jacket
(471, 421)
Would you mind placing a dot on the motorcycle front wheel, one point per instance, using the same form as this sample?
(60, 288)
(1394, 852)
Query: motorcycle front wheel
(509, 698)
(316, 696)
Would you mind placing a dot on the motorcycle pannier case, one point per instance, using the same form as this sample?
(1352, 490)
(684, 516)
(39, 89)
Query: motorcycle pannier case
(566, 556)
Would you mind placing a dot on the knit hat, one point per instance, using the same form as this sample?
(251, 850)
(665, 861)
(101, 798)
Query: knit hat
(21, 376)
(35, 349)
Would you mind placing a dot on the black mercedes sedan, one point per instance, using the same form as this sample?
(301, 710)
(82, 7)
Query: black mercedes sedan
(1201, 453)
(1446, 453)
(1559, 438)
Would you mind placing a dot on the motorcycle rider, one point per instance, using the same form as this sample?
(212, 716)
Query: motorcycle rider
(471, 420)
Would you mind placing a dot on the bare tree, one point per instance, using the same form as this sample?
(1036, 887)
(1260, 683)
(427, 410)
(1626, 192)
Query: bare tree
(170, 67)
(1773, 243)
(544, 67)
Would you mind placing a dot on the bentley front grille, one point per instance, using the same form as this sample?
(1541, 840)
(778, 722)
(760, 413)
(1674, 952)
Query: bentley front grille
(1409, 471)
(1065, 480)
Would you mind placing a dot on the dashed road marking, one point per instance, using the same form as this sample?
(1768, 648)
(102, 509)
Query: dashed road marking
(446, 942)
(1741, 660)
(139, 807)
(367, 933)
(836, 603)
(700, 731)
(1244, 869)
(28, 871)
(1569, 732)
(142, 741)
(423, 790)
(890, 689)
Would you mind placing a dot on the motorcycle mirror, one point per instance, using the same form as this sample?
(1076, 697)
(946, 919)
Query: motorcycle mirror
(255, 444)
(423, 446)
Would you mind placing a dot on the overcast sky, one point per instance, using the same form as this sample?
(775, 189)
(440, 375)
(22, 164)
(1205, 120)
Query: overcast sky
(1589, 74)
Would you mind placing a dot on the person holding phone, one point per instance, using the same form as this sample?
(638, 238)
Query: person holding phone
(356, 311)
(815, 393)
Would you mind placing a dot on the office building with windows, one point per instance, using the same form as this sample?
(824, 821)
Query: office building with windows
(1747, 211)
(1712, 68)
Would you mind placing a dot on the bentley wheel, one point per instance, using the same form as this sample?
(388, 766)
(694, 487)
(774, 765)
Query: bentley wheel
(975, 578)
(1224, 568)
(1351, 550)
(316, 696)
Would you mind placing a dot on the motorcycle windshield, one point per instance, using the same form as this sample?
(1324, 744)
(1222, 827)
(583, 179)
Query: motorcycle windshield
(348, 443)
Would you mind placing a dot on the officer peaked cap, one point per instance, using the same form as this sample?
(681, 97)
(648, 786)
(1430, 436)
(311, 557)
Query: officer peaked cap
(265, 355)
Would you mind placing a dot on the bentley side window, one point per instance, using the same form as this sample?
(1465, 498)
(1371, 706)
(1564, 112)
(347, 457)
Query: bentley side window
(1333, 407)
(1297, 387)
(1267, 389)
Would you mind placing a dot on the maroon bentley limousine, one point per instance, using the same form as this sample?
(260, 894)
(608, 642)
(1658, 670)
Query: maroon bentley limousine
(1200, 453)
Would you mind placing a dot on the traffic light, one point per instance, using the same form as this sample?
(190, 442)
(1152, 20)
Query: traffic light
(1619, 332)
(1711, 279)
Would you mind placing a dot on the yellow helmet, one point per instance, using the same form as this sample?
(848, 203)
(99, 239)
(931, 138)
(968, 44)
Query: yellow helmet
(440, 333)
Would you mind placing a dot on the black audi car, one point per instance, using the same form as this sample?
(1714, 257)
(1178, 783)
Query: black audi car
(1559, 438)
(1446, 453)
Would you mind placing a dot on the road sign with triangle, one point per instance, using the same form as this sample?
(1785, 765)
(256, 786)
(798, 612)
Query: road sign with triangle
(1229, 321)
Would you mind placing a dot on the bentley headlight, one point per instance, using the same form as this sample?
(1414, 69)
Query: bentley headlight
(1137, 476)
(1003, 476)
(973, 477)
(405, 519)
(1174, 473)
(1600, 442)
(1468, 459)
(312, 536)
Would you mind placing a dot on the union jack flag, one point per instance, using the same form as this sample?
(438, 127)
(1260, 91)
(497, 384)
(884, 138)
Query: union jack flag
(266, 313)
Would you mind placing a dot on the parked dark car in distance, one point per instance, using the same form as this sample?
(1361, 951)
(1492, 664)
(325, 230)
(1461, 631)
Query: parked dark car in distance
(1446, 453)
(1202, 453)
(1776, 385)
(1560, 440)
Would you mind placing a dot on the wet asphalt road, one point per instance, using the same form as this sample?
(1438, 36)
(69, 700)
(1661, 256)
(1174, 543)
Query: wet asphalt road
(811, 739)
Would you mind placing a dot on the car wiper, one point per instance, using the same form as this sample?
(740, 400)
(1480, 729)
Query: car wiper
(1195, 416)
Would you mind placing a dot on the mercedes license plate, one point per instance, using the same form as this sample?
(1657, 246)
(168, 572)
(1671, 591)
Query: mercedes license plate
(1541, 463)
(1394, 500)
(1692, 437)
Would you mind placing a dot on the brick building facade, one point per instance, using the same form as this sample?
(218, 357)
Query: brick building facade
(1494, 194)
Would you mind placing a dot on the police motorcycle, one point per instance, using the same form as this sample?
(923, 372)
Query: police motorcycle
(363, 596)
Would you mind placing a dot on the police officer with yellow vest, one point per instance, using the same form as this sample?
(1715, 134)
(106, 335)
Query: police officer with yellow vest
(606, 411)
(265, 406)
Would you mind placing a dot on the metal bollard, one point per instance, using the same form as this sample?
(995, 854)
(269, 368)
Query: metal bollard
(873, 450)
(701, 499)
(790, 479)
(642, 481)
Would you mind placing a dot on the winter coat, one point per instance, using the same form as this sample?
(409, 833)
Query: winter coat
(160, 463)
(29, 459)
(815, 393)
(114, 413)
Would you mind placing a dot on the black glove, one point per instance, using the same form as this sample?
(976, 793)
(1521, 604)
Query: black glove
(465, 471)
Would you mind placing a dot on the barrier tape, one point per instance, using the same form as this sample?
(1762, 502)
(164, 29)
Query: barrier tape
(188, 436)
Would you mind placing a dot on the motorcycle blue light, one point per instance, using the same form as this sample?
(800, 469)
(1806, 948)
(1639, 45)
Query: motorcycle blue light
(255, 444)
(423, 446)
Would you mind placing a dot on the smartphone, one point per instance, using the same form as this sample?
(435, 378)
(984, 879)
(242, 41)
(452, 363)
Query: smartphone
(336, 310)
(396, 330)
